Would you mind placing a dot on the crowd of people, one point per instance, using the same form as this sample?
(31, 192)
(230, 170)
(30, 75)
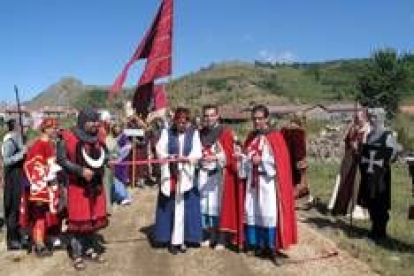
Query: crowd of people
(214, 190)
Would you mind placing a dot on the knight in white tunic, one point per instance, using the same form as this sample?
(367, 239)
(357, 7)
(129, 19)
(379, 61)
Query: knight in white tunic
(270, 223)
(261, 198)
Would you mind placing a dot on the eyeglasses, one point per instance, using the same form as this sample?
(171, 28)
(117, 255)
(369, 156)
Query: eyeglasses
(258, 118)
(209, 115)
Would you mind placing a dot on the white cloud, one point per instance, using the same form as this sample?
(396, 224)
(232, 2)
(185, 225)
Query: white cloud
(267, 56)
(282, 57)
(286, 57)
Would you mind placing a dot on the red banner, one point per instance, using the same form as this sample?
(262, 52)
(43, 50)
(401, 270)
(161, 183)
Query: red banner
(156, 47)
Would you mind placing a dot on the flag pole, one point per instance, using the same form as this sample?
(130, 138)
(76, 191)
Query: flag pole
(172, 47)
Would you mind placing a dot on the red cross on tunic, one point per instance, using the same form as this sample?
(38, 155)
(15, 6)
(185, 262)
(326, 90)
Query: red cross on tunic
(255, 149)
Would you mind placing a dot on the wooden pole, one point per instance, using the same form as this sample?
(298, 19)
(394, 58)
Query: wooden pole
(133, 159)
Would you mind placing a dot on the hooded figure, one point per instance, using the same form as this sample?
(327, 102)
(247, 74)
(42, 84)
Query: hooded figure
(377, 153)
(83, 156)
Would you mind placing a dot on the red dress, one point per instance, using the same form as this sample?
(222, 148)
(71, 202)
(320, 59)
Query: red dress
(86, 201)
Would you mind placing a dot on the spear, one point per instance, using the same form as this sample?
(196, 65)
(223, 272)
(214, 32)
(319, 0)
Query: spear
(16, 91)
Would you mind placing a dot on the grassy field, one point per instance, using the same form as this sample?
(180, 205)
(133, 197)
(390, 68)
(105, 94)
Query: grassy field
(395, 256)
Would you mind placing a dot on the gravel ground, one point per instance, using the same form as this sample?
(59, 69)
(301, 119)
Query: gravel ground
(129, 253)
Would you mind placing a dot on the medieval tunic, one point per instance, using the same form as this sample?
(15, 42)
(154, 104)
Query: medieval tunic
(124, 148)
(218, 181)
(41, 210)
(375, 188)
(347, 182)
(178, 215)
(121, 176)
(269, 205)
(211, 185)
(295, 138)
(86, 200)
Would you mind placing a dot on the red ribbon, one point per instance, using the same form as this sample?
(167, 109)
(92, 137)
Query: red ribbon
(148, 161)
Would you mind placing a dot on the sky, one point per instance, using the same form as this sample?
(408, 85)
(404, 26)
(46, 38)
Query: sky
(44, 40)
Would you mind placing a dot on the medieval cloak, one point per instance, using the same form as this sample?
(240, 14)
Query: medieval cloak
(347, 182)
(295, 138)
(286, 229)
(229, 215)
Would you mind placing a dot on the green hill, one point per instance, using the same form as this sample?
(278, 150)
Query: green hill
(240, 83)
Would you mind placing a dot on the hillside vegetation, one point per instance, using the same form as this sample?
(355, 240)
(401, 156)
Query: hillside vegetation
(242, 83)
(238, 83)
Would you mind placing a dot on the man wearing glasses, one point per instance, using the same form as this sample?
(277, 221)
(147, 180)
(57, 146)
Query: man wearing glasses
(270, 223)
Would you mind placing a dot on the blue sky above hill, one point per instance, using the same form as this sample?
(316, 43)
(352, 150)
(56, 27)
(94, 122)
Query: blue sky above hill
(42, 41)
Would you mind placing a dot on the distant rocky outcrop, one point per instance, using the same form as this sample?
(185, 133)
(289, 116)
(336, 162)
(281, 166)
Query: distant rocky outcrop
(328, 145)
(62, 93)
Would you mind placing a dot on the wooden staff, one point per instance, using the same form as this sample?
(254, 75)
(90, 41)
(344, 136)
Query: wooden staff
(134, 145)
(410, 163)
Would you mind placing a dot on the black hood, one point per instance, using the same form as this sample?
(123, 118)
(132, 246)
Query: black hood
(86, 115)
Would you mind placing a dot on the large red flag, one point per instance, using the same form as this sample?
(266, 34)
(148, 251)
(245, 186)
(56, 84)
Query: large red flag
(148, 98)
(156, 47)
(160, 97)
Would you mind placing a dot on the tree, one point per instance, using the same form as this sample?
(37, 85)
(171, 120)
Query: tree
(315, 71)
(384, 81)
(96, 98)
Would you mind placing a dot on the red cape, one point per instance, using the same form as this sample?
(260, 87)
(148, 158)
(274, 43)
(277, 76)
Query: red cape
(229, 217)
(286, 227)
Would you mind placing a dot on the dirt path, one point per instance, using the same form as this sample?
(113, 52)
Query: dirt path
(129, 253)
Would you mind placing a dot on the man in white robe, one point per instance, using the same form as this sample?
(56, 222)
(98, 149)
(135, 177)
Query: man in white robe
(218, 183)
(270, 223)
(178, 215)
